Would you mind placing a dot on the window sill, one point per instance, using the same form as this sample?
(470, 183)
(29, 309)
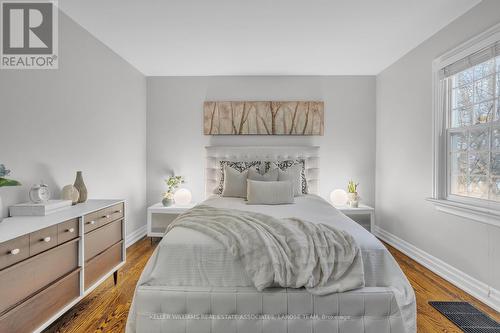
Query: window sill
(481, 214)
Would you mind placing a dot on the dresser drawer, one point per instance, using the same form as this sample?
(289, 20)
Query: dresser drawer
(102, 264)
(115, 212)
(100, 239)
(67, 231)
(14, 251)
(29, 315)
(43, 240)
(26, 278)
(102, 217)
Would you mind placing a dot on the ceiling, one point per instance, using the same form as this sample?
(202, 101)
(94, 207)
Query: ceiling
(263, 37)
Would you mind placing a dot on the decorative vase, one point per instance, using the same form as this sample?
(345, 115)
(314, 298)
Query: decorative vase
(69, 192)
(80, 186)
(353, 199)
(167, 202)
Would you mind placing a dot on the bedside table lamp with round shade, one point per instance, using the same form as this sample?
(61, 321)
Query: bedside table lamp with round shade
(182, 197)
(338, 197)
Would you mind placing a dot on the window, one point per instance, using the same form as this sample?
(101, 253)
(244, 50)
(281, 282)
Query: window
(473, 131)
(466, 129)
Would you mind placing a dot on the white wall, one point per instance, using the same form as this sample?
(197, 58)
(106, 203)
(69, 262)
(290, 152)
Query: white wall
(176, 142)
(404, 157)
(88, 115)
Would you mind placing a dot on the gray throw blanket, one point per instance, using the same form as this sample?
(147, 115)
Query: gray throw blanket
(286, 252)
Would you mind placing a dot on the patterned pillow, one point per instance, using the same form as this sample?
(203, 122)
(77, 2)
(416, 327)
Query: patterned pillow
(237, 165)
(283, 165)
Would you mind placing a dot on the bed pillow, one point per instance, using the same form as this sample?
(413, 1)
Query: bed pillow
(237, 165)
(292, 175)
(271, 175)
(269, 193)
(235, 183)
(295, 164)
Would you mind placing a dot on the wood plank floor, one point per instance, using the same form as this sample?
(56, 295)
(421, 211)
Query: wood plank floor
(106, 308)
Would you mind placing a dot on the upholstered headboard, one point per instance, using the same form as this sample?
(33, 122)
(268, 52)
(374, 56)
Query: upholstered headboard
(215, 154)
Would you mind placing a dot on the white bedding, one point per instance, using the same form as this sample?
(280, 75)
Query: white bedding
(188, 258)
(291, 252)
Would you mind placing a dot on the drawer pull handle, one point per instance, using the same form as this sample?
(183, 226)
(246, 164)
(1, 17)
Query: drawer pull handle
(14, 251)
(71, 230)
(47, 239)
(91, 222)
(117, 211)
(105, 217)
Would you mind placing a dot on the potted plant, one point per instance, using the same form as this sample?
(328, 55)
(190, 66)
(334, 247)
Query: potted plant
(5, 182)
(172, 182)
(352, 194)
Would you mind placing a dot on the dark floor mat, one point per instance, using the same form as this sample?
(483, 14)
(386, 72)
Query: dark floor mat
(468, 318)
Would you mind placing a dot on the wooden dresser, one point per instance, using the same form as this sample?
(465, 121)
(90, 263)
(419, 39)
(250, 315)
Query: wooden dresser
(49, 263)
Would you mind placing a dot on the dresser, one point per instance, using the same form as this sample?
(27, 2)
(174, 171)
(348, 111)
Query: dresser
(49, 263)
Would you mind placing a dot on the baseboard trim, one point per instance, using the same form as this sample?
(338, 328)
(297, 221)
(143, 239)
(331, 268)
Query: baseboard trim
(469, 284)
(135, 235)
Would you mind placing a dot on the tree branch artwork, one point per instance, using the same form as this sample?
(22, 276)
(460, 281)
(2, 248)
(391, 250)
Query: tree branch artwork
(263, 118)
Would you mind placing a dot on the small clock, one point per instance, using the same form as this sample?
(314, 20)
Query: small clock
(39, 193)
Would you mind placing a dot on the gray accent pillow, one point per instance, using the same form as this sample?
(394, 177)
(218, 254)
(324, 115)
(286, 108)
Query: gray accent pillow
(240, 166)
(271, 175)
(269, 193)
(284, 165)
(292, 174)
(235, 183)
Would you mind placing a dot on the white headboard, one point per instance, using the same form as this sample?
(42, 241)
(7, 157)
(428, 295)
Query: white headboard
(215, 154)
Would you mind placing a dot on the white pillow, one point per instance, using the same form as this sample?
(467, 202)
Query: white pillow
(293, 175)
(284, 165)
(269, 193)
(235, 183)
(238, 165)
(271, 175)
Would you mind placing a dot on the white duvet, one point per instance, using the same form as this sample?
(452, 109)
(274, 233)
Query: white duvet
(186, 257)
(289, 252)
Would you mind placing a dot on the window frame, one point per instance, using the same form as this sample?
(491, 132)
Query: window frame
(483, 210)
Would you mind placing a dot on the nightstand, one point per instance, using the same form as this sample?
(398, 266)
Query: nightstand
(159, 217)
(355, 213)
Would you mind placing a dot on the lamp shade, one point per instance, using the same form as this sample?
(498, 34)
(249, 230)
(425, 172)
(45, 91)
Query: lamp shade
(182, 197)
(338, 197)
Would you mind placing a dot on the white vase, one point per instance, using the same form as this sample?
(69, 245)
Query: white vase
(353, 200)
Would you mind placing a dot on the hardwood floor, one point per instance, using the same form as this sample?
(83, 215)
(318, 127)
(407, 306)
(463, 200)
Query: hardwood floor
(106, 308)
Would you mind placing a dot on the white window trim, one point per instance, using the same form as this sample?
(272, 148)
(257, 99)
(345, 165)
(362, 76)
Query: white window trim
(466, 207)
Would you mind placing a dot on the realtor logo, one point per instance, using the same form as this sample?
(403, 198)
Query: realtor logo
(29, 35)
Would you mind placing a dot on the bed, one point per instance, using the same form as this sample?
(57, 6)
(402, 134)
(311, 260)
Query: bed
(192, 284)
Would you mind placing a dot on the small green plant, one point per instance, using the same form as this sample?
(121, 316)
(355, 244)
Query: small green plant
(4, 181)
(173, 182)
(352, 187)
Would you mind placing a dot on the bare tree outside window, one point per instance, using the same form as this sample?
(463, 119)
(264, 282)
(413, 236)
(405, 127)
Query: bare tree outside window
(474, 132)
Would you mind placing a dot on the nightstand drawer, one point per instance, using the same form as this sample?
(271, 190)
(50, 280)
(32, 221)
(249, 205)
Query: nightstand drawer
(43, 240)
(100, 239)
(67, 231)
(102, 264)
(14, 251)
(102, 217)
(26, 278)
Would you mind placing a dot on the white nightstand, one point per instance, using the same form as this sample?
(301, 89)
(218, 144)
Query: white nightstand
(361, 210)
(159, 217)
